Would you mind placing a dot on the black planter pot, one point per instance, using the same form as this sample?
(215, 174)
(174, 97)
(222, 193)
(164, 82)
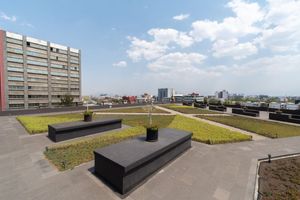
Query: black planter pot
(88, 118)
(152, 135)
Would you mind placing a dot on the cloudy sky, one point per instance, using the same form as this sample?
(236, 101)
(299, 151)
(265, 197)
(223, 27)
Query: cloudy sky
(136, 46)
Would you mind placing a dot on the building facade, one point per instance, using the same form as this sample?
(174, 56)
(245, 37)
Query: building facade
(222, 95)
(164, 93)
(36, 73)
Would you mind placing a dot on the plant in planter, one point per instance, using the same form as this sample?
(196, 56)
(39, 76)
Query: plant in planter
(88, 115)
(152, 130)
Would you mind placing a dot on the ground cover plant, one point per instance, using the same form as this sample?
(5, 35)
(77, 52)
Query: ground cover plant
(141, 109)
(188, 109)
(39, 124)
(207, 133)
(280, 179)
(261, 127)
(72, 153)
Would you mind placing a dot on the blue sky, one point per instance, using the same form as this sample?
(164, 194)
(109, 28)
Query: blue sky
(137, 46)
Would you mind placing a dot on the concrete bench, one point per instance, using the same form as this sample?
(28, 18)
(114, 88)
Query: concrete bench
(70, 130)
(284, 117)
(217, 108)
(126, 164)
(252, 113)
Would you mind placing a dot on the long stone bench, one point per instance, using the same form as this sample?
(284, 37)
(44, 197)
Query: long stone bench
(126, 164)
(217, 108)
(70, 130)
(284, 117)
(252, 113)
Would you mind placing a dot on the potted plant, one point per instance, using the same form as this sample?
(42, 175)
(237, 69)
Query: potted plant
(88, 115)
(152, 134)
(152, 130)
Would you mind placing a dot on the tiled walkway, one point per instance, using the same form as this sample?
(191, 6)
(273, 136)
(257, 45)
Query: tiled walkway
(218, 172)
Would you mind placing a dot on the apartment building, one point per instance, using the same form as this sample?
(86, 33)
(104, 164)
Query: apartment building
(35, 73)
(165, 93)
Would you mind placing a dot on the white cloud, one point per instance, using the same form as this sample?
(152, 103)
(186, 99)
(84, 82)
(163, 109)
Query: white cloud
(281, 65)
(247, 14)
(178, 62)
(282, 26)
(8, 18)
(142, 49)
(166, 36)
(181, 17)
(120, 64)
(149, 50)
(232, 48)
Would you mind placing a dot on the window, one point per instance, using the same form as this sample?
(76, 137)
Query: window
(28, 44)
(15, 87)
(15, 78)
(35, 71)
(16, 96)
(57, 50)
(37, 96)
(16, 106)
(51, 48)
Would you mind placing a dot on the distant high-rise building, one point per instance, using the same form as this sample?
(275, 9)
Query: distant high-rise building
(36, 73)
(223, 95)
(165, 93)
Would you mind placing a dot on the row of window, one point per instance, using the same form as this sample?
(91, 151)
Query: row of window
(16, 96)
(15, 41)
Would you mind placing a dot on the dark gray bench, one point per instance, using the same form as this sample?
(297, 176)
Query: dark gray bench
(252, 113)
(284, 117)
(70, 130)
(126, 164)
(217, 108)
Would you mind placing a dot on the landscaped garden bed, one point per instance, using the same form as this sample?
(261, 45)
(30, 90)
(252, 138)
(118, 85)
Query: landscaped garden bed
(188, 109)
(261, 127)
(131, 110)
(72, 153)
(280, 179)
(39, 124)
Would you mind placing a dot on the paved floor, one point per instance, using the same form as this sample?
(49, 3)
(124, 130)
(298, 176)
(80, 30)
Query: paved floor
(193, 116)
(217, 172)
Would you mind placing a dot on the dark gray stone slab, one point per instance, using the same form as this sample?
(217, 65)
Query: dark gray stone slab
(128, 163)
(252, 113)
(70, 130)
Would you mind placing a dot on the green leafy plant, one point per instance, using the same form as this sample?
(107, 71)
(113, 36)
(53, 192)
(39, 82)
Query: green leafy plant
(88, 112)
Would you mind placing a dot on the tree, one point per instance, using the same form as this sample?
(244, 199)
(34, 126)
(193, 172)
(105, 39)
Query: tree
(67, 100)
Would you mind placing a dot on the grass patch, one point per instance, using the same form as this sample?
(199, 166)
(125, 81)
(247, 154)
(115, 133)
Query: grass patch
(132, 110)
(261, 127)
(68, 155)
(39, 124)
(189, 109)
(207, 133)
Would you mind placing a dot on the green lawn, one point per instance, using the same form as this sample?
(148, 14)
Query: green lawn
(142, 109)
(69, 154)
(207, 133)
(189, 109)
(265, 128)
(39, 124)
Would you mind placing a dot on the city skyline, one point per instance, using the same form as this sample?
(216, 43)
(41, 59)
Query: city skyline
(248, 47)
